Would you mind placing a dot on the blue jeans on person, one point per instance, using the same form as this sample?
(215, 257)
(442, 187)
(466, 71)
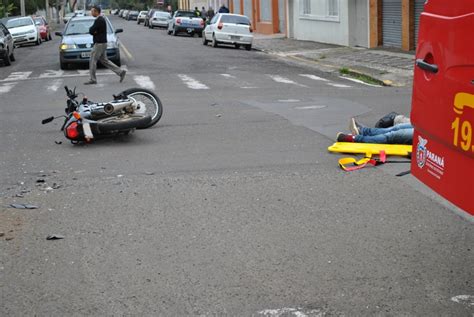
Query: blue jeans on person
(398, 134)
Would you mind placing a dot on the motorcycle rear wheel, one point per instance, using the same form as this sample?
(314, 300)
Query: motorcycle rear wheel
(153, 105)
(123, 123)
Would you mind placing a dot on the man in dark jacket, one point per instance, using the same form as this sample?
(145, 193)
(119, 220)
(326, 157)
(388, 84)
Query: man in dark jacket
(223, 9)
(98, 30)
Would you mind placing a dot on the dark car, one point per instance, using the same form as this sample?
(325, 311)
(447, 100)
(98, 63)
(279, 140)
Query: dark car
(6, 45)
(76, 43)
(132, 15)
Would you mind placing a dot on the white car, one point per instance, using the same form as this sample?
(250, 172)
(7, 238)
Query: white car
(232, 29)
(68, 16)
(159, 19)
(141, 16)
(23, 31)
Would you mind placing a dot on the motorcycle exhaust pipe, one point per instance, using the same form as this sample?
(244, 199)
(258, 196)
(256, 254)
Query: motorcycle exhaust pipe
(116, 106)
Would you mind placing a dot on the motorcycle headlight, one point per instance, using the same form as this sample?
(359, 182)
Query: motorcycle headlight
(64, 47)
(31, 31)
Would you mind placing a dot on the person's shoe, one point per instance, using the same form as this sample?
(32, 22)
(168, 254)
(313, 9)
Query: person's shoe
(341, 137)
(355, 127)
(122, 75)
(90, 82)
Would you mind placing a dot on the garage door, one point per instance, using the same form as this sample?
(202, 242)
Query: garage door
(419, 5)
(392, 23)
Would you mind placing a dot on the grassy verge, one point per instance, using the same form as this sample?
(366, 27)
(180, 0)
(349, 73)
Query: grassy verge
(344, 71)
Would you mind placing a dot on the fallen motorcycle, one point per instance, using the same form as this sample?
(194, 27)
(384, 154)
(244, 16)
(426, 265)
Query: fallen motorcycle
(134, 108)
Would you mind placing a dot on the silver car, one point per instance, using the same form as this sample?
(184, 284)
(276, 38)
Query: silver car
(159, 19)
(6, 46)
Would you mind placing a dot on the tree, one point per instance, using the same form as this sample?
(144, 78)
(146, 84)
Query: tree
(6, 9)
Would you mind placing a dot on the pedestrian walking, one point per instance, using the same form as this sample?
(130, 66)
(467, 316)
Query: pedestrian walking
(210, 13)
(98, 30)
(223, 9)
(197, 12)
(204, 14)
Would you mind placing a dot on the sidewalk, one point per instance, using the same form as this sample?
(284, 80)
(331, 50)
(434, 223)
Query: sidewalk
(390, 66)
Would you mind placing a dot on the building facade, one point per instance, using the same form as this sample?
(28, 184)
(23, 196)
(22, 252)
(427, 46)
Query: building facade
(364, 23)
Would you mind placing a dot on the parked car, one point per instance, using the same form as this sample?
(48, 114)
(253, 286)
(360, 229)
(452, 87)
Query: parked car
(125, 13)
(185, 21)
(159, 19)
(23, 31)
(43, 27)
(79, 13)
(76, 43)
(132, 15)
(141, 16)
(120, 12)
(114, 11)
(148, 17)
(226, 28)
(6, 45)
(68, 16)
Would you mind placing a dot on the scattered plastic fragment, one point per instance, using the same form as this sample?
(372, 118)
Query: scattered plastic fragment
(55, 237)
(23, 206)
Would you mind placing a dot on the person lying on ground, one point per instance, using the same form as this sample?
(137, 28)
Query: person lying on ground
(397, 134)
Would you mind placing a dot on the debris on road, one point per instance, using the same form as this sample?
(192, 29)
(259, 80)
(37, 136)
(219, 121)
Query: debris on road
(58, 142)
(40, 180)
(55, 237)
(23, 206)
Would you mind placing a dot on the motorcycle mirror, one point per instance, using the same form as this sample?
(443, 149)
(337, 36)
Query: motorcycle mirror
(47, 120)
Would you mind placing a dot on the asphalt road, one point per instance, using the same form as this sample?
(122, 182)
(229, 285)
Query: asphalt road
(231, 205)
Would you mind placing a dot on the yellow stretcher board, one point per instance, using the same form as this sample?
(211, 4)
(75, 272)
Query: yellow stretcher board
(370, 148)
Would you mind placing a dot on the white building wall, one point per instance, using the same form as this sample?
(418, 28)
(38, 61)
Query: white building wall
(321, 29)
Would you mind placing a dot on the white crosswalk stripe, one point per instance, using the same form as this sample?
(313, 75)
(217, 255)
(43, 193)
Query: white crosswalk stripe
(52, 74)
(191, 82)
(54, 79)
(313, 77)
(4, 88)
(144, 81)
(241, 83)
(339, 85)
(284, 80)
(54, 86)
(15, 76)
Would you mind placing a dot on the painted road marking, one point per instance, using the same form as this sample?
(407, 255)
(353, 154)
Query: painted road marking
(241, 83)
(310, 107)
(15, 76)
(191, 82)
(55, 85)
(6, 87)
(52, 74)
(289, 311)
(464, 299)
(313, 77)
(360, 81)
(289, 100)
(284, 80)
(126, 51)
(144, 81)
(339, 85)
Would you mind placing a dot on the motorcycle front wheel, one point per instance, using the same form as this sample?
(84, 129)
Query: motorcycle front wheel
(123, 123)
(149, 103)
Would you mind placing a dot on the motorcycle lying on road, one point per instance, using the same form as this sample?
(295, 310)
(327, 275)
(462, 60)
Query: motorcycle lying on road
(134, 108)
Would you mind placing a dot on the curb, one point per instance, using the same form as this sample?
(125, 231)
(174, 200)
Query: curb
(352, 73)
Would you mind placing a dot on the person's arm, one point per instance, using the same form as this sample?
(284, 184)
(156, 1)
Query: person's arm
(94, 28)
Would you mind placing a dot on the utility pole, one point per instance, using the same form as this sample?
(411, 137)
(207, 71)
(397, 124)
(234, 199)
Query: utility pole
(22, 8)
(47, 10)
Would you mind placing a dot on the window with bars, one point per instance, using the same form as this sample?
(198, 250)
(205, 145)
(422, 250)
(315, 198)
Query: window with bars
(333, 8)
